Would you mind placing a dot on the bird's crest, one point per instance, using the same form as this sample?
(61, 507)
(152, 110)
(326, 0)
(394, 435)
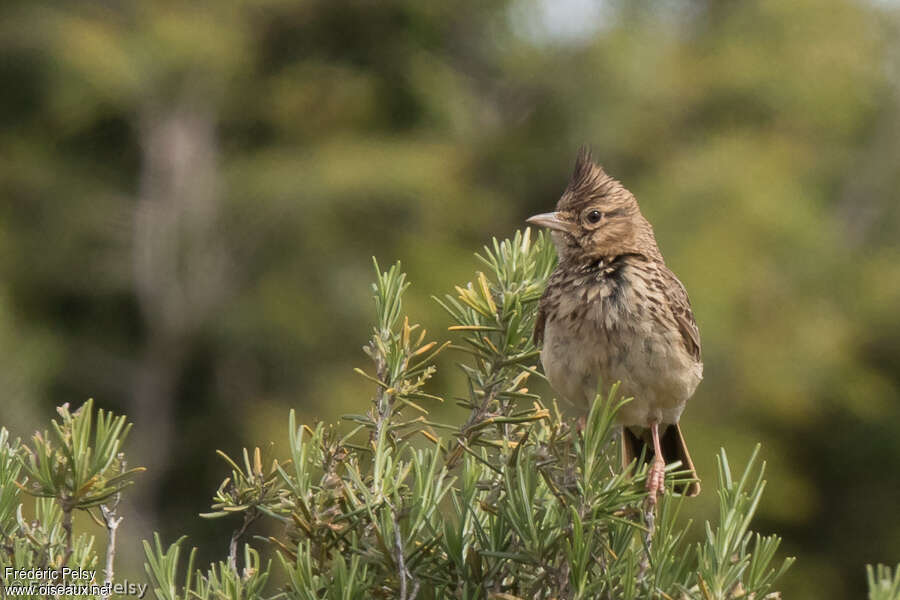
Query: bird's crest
(589, 182)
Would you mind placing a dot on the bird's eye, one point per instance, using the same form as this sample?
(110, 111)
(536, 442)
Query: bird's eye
(594, 216)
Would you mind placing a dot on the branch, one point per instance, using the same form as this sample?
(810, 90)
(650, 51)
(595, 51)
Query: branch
(66, 507)
(401, 562)
(464, 439)
(650, 520)
(112, 521)
(236, 537)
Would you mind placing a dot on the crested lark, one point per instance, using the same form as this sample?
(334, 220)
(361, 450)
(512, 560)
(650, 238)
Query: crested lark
(612, 310)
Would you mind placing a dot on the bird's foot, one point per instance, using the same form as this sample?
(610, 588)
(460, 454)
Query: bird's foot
(656, 478)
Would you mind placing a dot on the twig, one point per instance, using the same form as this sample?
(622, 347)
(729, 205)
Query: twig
(112, 521)
(401, 563)
(66, 506)
(650, 520)
(490, 394)
(383, 400)
(249, 517)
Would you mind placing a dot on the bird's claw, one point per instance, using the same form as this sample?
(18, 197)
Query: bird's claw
(656, 480)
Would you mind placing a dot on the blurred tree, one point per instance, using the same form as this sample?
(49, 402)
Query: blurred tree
(191, 194)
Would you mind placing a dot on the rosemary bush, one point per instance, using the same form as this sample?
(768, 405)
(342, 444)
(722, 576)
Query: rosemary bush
(79, 467)
(514, 501)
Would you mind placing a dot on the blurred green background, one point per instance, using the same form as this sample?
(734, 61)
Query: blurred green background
(191, 193)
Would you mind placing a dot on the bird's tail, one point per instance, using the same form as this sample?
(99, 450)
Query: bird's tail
(636, 443)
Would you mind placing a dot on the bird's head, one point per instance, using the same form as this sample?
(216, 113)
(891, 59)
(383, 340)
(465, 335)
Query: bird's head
(596, 217)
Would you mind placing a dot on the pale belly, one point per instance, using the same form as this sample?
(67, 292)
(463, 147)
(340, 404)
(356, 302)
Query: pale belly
(648, 359)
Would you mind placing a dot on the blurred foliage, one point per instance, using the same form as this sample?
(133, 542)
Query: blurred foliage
(191, 194)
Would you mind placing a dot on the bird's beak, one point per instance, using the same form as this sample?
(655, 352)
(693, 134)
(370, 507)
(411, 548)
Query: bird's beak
(551, 220)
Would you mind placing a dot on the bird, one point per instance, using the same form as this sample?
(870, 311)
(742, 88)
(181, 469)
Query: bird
(613, 311)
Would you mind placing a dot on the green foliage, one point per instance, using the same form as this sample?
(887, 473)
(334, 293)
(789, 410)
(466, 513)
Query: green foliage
(341, 583)
(162, 568)
(81, 473)
(731, 556)
(80, 467)
(223, 582)
(882, 584)
(10, 467)
(248, 489)
(517, 502)
(496, 319)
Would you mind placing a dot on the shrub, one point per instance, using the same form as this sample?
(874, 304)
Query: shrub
(516, 501)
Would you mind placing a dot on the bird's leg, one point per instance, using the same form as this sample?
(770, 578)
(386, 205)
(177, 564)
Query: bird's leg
(657, 473)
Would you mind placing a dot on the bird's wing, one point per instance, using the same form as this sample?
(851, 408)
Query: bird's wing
(680, 305)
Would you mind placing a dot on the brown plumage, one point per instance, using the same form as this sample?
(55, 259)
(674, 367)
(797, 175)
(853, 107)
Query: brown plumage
(613, 311)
